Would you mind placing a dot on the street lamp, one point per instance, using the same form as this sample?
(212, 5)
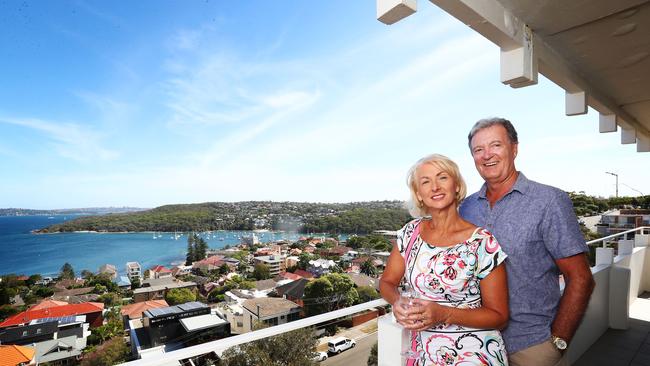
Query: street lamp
(616, 175)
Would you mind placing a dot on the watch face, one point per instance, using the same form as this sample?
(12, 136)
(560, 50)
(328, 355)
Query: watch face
(560, 343)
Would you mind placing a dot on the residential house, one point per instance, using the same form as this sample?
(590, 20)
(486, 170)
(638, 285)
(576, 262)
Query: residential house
(60, 351)
(303, 273)
(12, 355)
(293, 291)
(108, 269)
(270, 311)
(133, 271)
(47, 303)
(176, 326)
(287, 276)
(375, 262)
(92, 310)
(233, 313)
(123, 282)
(156, 289)
(622, 220)
(135, 311)
(44, 329)
(337, 251)
(212, 263)
(181, 270)
(276, 263)
(361, 280)
(292, 261)
(350, 255)
(58, 341)
(158, 271)
(383, 256)
(319, 267)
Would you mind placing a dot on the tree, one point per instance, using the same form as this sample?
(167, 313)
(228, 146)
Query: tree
(190, 250)
(330, 292)
(135, 283)
(42, 291)
(86, 274)
(303, 260)
(66, 272)
(293, 348)
(261, 272)
(367, 293)
(112, 352)
(372, 358)
(368, 268)
(224, 269)
(31, 281)
(201, 248)
(177, 296)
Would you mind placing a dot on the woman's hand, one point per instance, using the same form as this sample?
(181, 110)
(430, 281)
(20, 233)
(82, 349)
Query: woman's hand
(401, 312)
(425, 314)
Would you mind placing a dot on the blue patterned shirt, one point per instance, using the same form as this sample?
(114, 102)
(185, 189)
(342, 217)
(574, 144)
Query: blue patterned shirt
(535, 224)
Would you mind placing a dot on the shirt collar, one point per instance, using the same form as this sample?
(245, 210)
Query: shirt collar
(521, 185)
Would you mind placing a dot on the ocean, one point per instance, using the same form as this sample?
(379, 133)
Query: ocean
(22, 252)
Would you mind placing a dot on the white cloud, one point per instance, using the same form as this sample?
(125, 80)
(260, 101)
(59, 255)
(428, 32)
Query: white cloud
(69, 140)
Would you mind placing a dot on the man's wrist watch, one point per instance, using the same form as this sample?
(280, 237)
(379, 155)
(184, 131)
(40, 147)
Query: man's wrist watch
(559, 342)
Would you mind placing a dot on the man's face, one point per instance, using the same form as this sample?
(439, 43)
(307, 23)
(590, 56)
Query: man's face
(494, 154)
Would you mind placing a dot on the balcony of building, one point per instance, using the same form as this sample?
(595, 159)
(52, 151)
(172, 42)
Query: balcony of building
(614, 331)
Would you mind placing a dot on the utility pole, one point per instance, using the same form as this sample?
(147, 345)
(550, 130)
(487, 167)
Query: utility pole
(616, 175)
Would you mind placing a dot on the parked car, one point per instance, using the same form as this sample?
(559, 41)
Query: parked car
(319, 356)
(340, 344)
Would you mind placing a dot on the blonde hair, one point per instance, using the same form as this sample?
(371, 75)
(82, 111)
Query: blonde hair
(415, 206)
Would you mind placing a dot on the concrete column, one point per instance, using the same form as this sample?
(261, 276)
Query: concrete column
(391, 341)
(625, 246)
(604, 256)
(642, 143)
(619, 297)
(576, 103)
(641, 240)
(628, 135)
(607, 123)
(392, 11)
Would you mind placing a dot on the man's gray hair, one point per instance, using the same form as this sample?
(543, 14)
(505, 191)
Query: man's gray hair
(489, 122)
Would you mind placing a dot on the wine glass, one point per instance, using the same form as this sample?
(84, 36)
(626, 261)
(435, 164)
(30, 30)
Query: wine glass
(407, 295)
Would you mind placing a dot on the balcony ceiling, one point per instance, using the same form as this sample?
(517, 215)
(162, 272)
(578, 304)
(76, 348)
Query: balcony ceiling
(607, 41)
(600, 47)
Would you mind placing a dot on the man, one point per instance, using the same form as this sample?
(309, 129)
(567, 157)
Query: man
(537, 228)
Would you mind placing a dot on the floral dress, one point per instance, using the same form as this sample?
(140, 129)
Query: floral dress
(450, 276)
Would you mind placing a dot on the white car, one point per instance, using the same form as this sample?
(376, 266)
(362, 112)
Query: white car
(340, 344)
(319, 356)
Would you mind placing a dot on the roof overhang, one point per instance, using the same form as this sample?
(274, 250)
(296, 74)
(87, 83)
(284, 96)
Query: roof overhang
(598, 51)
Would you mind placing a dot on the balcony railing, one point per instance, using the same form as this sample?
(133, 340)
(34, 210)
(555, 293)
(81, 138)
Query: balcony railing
(619, 279)
(223, 344)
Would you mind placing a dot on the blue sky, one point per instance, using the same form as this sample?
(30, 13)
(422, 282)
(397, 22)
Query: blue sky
(146, 103)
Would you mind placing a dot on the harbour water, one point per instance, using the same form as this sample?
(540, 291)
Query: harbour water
(22, 252)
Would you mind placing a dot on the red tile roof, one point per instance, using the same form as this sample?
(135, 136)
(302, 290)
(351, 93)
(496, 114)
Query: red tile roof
(53, 312)
(303, 274)
(289, 276)
(48, 303)
(16, 355)
(161, 269)
(134, 311)
(215, 260)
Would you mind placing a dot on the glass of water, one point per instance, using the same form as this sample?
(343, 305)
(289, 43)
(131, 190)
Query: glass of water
(407, 295)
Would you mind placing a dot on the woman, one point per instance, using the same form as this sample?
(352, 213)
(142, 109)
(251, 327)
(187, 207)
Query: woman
(457, 270)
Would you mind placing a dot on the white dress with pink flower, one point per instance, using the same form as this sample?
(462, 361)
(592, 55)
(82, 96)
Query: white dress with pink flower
(450, 276)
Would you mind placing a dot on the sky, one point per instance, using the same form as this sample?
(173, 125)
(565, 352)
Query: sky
(146, 103)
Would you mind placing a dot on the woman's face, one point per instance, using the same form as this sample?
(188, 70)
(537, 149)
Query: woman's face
(435, 187)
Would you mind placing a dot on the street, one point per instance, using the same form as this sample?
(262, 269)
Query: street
(357, 356)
